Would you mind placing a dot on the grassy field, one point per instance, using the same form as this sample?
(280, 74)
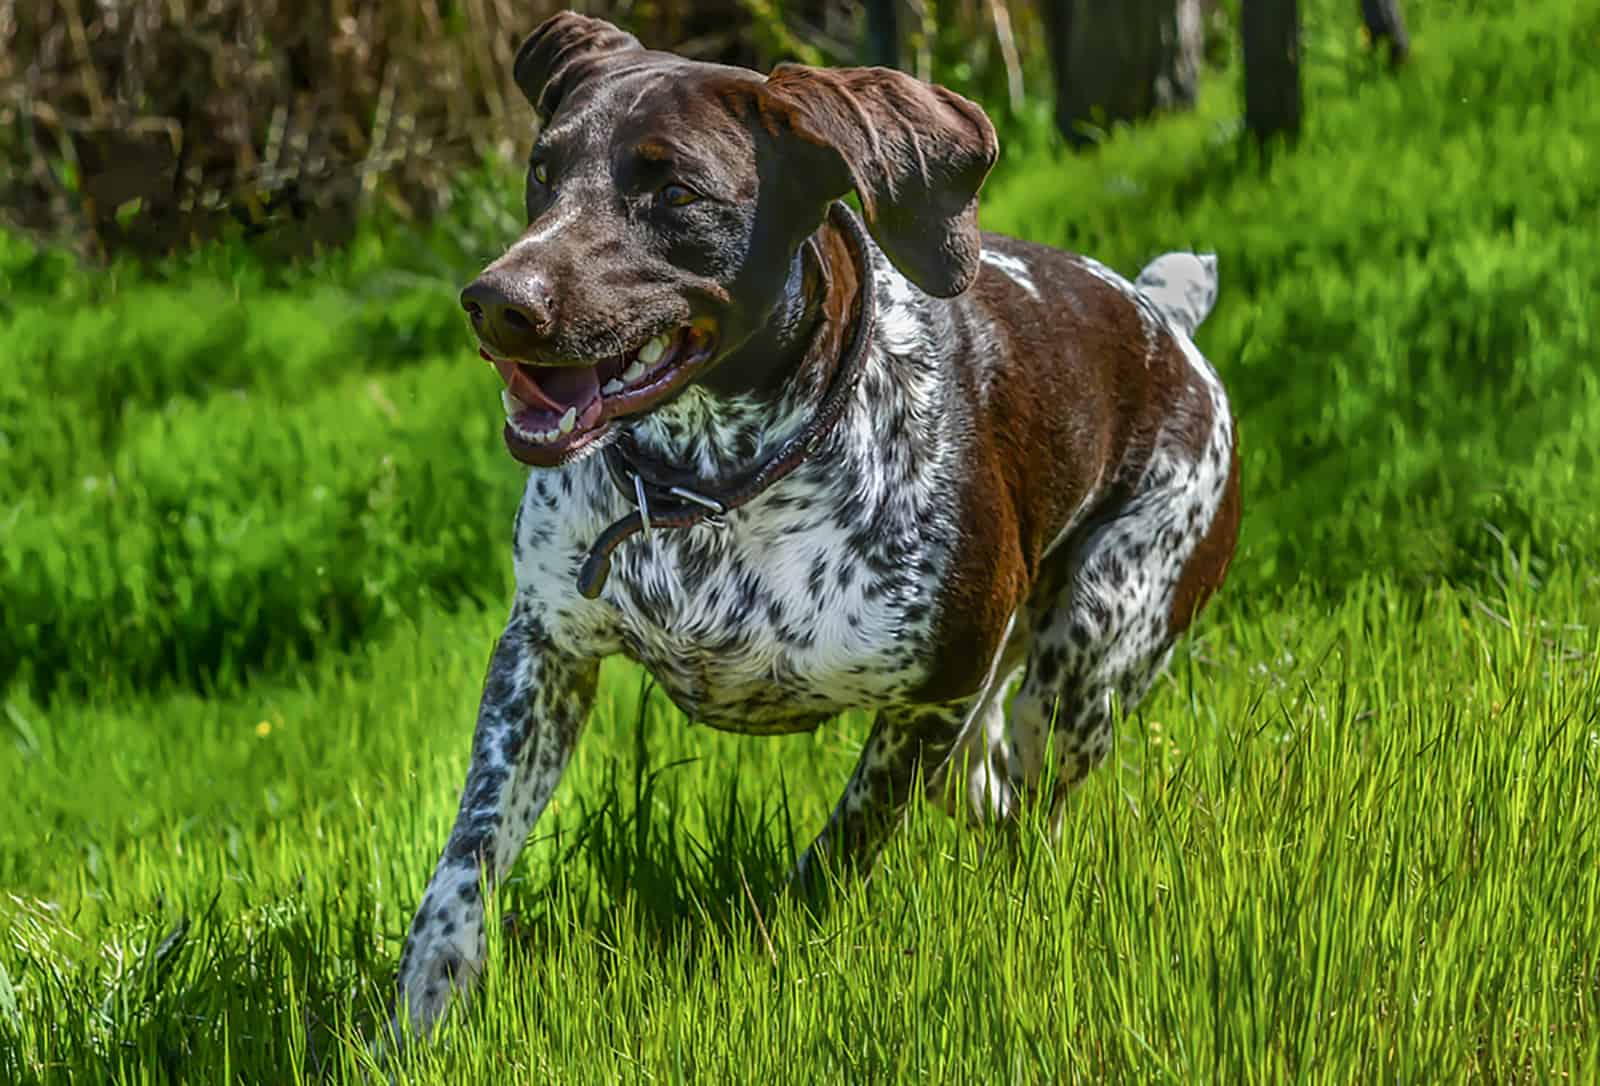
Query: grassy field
(253, 527)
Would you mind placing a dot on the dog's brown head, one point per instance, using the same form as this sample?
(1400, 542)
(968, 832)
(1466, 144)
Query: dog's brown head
(668, 201)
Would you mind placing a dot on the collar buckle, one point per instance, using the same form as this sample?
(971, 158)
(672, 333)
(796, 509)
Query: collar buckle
(716, 507)
(642, 502)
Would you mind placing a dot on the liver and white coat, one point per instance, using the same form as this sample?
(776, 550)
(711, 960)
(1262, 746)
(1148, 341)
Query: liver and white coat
(1033, 475)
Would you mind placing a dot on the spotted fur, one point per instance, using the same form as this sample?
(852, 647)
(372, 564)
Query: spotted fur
(832, 591)
(535, 701)
(816, 598)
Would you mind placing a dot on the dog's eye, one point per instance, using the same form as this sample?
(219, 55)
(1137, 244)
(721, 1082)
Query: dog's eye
(676, 195)
(541, 173)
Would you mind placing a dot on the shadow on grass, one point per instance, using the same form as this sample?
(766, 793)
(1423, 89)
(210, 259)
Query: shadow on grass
(643, 860)
(679, 871)
(264, 992)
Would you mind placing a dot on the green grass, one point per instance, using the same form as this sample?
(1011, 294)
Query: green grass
(1344, 845)
(252, 559)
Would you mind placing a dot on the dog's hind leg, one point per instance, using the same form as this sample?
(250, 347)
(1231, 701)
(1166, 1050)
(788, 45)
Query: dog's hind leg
(1060, 721)
(534, 704)
(1136, 582)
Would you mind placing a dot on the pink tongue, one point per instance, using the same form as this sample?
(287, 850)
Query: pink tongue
(568, 386)
(556, 388)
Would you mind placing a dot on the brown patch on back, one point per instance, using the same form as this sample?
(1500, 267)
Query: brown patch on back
(1078, 390)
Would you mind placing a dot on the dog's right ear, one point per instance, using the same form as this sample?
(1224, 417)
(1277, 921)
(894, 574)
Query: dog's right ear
(914, 153)
(563, 51)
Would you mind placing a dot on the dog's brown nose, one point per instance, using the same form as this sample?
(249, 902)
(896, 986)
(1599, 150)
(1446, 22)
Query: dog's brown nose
(509, 314)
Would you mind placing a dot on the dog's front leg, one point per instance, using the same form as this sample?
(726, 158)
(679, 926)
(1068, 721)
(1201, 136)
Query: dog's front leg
(905, 742)
(535, 700)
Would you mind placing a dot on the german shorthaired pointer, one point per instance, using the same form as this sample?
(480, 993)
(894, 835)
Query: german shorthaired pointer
(796, 466)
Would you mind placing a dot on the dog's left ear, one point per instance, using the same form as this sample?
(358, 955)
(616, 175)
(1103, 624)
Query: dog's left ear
(915, 154)
(564, 50)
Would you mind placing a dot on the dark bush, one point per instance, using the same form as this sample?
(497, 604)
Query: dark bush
(140, 125)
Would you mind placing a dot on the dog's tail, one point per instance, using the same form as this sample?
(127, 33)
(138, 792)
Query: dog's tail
(1183, 286)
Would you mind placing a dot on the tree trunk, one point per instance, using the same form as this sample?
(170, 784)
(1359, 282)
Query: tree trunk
(1272, 68)
(883, 33)
(1120, 60)
(1386, 24)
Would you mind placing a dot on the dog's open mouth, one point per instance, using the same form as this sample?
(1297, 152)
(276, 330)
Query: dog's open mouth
(554, 411)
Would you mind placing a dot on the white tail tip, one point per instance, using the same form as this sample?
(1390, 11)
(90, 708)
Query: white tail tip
(1183, 286)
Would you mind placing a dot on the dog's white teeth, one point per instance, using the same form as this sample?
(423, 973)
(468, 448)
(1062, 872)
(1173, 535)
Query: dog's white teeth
(512, 404)
(569, 420)
(538, 437)
(633, 372)
(611, 388)
(651, 352)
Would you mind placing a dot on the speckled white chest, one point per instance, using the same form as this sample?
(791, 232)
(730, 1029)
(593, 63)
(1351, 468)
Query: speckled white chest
(819, 596)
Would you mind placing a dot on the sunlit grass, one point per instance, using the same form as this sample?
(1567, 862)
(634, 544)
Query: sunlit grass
(247, 596)
(1345, 844)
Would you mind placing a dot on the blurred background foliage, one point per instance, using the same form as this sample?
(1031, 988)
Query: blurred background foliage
(217, 462)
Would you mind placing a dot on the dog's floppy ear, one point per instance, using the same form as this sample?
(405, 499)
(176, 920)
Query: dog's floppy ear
(564, 50)
(915, 154)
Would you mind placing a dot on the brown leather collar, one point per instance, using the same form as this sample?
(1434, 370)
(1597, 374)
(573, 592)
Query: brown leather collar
(666, 499)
